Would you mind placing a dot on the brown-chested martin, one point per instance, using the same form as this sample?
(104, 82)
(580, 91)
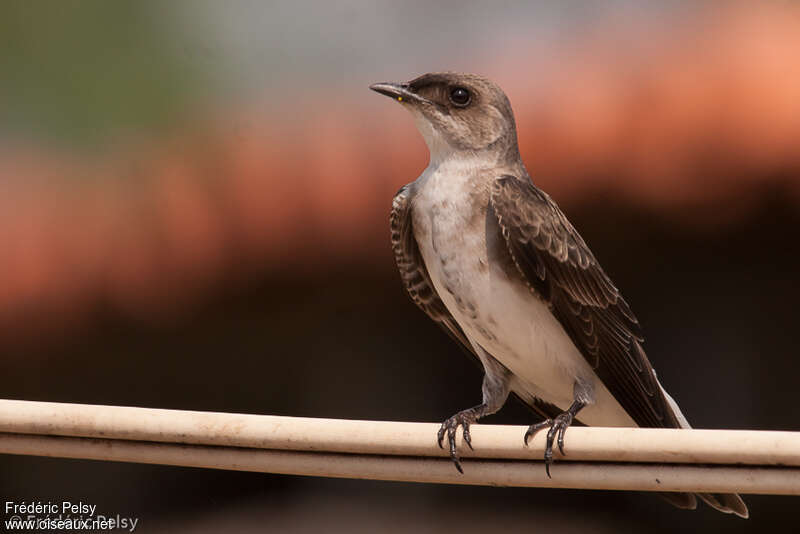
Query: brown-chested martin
(493, 260)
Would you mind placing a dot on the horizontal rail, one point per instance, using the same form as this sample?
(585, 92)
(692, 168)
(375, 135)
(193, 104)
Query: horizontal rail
(600, 475)
(597, 458)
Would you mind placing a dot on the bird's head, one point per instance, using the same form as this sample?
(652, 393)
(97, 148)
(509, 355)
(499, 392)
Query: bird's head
(457, 113)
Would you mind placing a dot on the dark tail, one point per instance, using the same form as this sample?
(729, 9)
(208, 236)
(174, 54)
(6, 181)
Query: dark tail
(728, 503)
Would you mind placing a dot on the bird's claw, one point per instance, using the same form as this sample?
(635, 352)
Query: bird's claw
(558, 427)
(450, 426)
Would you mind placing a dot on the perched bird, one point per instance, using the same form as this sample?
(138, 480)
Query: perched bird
(493, 260)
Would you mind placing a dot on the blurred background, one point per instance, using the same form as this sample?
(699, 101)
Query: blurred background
(194, 203)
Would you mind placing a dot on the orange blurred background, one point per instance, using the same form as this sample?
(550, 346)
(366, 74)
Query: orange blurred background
(193, 213)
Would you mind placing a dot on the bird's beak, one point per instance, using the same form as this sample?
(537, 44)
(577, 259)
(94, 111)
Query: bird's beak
(397, 91)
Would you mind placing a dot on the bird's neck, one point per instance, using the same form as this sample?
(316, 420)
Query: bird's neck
(503, 153)
(492, 158)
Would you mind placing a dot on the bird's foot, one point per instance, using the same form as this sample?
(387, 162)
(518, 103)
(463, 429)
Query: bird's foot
(463, 418)
(558, 427)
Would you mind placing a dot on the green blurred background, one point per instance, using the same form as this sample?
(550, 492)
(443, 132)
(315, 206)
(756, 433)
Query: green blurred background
(193, 214)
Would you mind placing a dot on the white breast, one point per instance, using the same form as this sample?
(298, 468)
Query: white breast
(498, 313)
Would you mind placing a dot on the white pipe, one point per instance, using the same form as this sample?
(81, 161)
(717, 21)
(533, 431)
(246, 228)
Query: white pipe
(590, 475)
(395, 438)
(597, 458)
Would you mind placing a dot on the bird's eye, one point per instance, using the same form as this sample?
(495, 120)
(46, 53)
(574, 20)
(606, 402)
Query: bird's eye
(460, 96)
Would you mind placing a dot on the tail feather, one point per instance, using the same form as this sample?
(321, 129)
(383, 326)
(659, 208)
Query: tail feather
(729, 503)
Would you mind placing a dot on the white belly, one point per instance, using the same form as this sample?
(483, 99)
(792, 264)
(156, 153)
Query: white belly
(498, 313)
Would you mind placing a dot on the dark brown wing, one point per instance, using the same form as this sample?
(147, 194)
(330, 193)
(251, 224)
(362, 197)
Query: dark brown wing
(557, 264)
(413, 272)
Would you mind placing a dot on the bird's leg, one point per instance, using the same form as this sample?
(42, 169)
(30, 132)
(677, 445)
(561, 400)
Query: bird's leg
(559, 425)
(495, 392)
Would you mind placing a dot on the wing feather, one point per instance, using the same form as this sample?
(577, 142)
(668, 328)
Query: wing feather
(558, 265)
(413, 273)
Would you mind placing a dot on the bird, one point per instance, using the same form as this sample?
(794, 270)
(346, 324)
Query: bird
(493, 260)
